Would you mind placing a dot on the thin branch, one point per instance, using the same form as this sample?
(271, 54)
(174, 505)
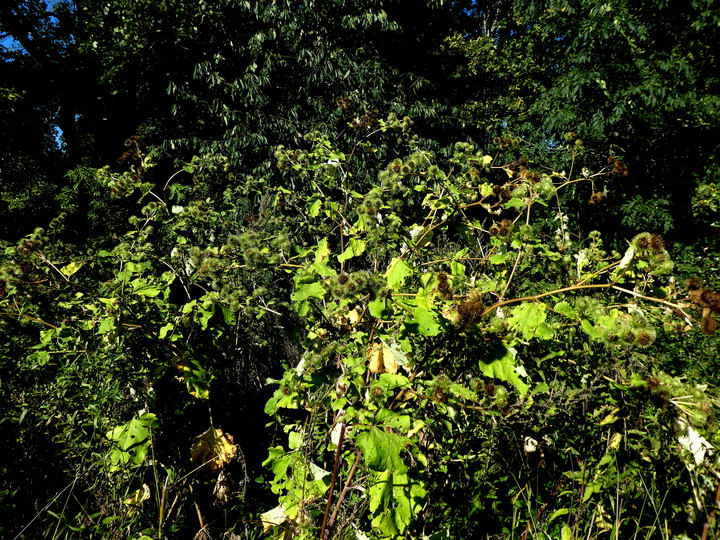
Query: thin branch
(29, 317)
(336, 469)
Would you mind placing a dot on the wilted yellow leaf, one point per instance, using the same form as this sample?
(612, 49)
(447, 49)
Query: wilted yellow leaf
(213, 449)
(69, 269)
(610, 418)
(271, 518)
(195, 378)
(353, 317)
(382, 359)
(135, 500)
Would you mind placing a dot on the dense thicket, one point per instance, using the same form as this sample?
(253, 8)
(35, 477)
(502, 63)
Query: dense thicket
(387, 268)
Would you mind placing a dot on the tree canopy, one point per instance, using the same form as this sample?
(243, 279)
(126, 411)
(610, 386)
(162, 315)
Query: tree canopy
(371, 269)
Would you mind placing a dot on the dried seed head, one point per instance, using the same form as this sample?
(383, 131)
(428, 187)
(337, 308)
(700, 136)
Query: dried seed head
(645, 339)
(596, 197)
(694, 284)
(469, 313)
(439, 395)
(657, 244)
(642, 241)
(708, 325)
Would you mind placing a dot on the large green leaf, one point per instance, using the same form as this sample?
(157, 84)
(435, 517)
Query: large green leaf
(354, 248)
(529, 320)
(308, 290)
(130, 442)
(396, 273)
(382, 450)
(423, 323)
(501, 365)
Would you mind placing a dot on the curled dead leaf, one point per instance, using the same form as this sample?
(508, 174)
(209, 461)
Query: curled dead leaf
(213, 450)
(382, 359)
(134, 501)
(221, 492)
(272, 518)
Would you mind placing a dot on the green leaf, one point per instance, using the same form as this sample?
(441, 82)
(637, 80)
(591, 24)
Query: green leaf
(423, 323)
(196, 377)
(323, 269)
(380, 308)
(106, 325)
(381, 450)
(395, 499)
(564, 308)
(396, 273)
(458, 271)
(228, 315)
(354, 248)
(322, 251)
(308, 290)
(502, 366)
(204, 316)
(381, 491)
(558, 513)
(589, 329)
(131, 442)
(144, 289)
(69, 269)
(529, 319)
(516, 203)
(500, 258)
(313, 208)
(460, 391)
(38, 358)
(388, 418)
(165, 329)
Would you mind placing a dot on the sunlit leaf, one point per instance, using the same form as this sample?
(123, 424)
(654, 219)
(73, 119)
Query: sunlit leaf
(396, 273)
(273, 518)
(502, 366)
(382, 449)
(529, 320)
(354, 248)
(423, 323)
(195, 376)
(69, 269)
(308, 290)
(130, 442)
(213, 450)
(382, 359)
(380, 308)
(135, 500)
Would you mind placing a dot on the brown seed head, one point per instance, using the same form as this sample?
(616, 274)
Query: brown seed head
(596, 197)
(469, 313)
(694, 284)
(708, 325)
(657, 244)
(644, 339)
